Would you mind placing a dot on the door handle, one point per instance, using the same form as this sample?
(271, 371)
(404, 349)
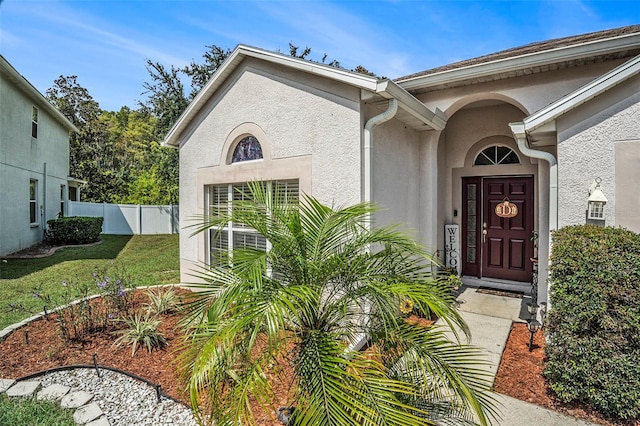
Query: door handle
(484, 235)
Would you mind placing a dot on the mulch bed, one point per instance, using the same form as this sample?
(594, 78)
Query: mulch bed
(46, 349)
(520, 376)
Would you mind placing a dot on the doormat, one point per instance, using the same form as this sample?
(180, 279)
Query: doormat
(505, 293)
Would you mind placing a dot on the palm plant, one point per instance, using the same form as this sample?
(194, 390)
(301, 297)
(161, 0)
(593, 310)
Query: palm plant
(328, 281)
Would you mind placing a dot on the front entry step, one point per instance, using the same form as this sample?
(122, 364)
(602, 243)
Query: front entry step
(515, 286)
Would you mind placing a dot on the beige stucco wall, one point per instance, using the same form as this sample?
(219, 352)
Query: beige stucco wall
(469, 130)
(588, 138)
(396, 176)
(23, 158)
(310, 128)
(530, 92)
(627, 195)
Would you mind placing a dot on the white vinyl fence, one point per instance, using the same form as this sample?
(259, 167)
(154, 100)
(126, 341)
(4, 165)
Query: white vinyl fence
(129, 219)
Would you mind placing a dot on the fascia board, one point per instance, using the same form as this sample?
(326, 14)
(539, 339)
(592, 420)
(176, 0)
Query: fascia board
(389, 89)
(585, 93)
(172, 139)
(361, 81)
(567, 53)
(233, 61)
(34, 94)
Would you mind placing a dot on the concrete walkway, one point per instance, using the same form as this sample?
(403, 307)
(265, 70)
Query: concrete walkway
(489, 318)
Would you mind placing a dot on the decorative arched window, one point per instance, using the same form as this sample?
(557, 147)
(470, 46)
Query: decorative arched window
(247, 149)
(495, 155)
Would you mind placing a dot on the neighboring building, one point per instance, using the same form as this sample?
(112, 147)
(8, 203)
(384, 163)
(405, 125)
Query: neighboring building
(534, 126)
(34, 162)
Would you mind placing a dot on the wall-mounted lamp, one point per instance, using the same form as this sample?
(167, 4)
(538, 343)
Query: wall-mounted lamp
(597, 200)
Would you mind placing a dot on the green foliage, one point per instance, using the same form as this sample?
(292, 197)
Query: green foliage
(163, 300)
(74, 230)
(201, 73)
(77, 314)
(593, 329)
(319, 289)
(150, 260)
(92, 157)
(21, 412)
(141, 331)
(118, 153)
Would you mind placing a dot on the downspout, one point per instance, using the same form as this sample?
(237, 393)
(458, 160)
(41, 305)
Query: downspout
(44, 201)
(519, 132)
(361, 338)
(391, 111)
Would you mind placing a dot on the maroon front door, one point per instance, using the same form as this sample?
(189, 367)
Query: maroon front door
(495, 246)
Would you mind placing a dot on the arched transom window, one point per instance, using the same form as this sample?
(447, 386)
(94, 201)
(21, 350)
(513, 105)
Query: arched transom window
(247, 149)
(495, 155)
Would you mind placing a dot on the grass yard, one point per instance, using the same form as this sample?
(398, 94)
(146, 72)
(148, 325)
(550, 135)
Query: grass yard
(147, 260)
(33, 413)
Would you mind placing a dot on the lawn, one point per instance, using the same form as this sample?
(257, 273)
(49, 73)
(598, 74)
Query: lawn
(147, 260)
(33, 413)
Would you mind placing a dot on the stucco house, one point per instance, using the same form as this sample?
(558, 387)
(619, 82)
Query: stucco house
(34, 162)
(473, 157)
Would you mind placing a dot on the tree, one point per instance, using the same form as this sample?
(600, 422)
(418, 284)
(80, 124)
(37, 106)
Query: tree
(201, 73)
(306, 300)
(92, 157)
(166, 96)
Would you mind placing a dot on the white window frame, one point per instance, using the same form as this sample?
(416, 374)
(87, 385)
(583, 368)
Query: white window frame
(63, 200)
(232, 230)
(34, 122)
(33, 203)
(495, 159)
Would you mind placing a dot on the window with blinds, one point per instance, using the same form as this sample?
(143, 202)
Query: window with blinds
(236, 236)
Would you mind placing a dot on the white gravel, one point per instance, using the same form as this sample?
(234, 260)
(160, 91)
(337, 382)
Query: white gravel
(124, 400)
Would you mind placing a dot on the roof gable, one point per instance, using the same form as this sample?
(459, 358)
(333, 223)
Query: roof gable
(412, 109)
(541, 119)
(25, 86)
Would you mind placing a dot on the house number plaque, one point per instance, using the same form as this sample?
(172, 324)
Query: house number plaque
(506, 209)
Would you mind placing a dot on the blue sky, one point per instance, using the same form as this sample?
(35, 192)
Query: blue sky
(105, 42)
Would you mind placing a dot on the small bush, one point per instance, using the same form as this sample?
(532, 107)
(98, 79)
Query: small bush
(74, 230)
(141, 331)
(593, 328)
(162, 301)
(81, 316)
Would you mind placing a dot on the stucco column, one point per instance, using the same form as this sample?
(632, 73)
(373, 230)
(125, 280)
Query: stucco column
(429, 189)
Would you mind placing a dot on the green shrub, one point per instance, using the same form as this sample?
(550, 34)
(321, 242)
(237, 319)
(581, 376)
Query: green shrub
(74, 230)
(77, 316)
(141, 331)
(163, 301)
(593, 328)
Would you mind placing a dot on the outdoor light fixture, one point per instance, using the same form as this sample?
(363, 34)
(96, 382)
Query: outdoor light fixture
(533, 326)
(597, 200)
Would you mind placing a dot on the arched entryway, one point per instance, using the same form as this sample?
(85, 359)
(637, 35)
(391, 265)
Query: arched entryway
(493, 192)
